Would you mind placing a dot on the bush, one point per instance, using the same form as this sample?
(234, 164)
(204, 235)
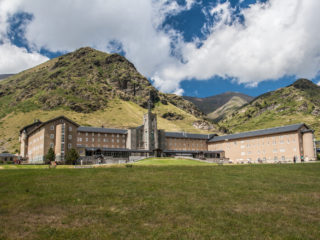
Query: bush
(50, 156)
(1, 162)
(318, 156)
(9, 162)
(72, 157)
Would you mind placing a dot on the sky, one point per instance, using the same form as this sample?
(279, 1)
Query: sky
(188, 47)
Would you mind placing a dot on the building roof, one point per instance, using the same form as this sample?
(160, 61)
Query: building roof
(268, 131)
(30, 126)
(7, 155)
(51, 120)
(189, 135)
(102, 130)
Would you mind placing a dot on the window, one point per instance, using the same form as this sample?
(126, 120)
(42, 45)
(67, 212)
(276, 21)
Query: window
(275, 150)
(80, 139)
(69, 145)
(92, 134)
(282, 150)
(52, 136)
(70, 137)
(117, 140)
(243, 153)
(51, 145)
(98, 134)
(86, 134)
(283, 158)
(52, 127)
(86, 139)
(98, 139)
(117, 135)
(70, 128)
(92, 140)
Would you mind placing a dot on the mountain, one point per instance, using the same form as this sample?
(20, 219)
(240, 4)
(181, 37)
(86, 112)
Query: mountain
(296, 103)
(91, 88)
(3, 76)
(209, 105)
(228, 108)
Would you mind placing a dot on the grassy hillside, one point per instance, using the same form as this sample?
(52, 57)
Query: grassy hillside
(91, 87)
(118, 114)
(162, 202)
(299, 102)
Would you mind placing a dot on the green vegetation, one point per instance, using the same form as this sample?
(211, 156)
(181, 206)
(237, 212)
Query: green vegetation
(72, 157)
(162, 202)
(170, 161)
(50, 156)
(90, 86)
(296, 103)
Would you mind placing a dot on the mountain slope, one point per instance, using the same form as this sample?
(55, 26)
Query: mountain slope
(228, 108)
(299, 102)
(90, 87)
(210, 104)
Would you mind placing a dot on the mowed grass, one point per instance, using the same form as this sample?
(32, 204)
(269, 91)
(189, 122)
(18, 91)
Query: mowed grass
(162, 202)
(170, 161)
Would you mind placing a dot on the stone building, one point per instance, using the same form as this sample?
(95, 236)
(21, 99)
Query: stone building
(280, 144)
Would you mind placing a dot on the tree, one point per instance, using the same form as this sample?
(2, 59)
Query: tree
(50, 156)
(72, 156)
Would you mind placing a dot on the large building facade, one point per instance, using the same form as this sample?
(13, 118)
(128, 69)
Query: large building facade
(281, 144)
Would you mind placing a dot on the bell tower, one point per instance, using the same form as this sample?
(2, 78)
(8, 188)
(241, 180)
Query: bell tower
(150, 131)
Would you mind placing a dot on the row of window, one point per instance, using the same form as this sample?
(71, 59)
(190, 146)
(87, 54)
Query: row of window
(62, 145)
(79, 139)
(62, 137)
(105, 134)
(52, 128)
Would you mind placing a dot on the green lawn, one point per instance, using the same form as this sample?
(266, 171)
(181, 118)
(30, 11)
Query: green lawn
(162, 202)
(170, 161)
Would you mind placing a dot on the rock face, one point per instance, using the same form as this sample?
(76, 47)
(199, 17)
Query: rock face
(204, 125)
(296, 103)
(84, 81)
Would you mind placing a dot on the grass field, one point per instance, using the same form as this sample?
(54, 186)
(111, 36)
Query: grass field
(171, 162)
(162, 202)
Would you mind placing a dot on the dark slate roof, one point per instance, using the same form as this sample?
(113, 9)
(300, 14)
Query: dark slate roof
(51, 120)
(268, 131)
(7, 155)
(189, 135)
(102, 130)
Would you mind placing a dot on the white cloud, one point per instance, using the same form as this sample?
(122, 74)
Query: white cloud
(318, 83)
(14, 59)
(278, 38)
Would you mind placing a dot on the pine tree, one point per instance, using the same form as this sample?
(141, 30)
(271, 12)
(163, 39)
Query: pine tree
(50, 156)
(72, 156)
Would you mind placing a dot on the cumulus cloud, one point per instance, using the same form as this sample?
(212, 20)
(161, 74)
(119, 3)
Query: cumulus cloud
(277, 38)
(319, 83)
(14, 59)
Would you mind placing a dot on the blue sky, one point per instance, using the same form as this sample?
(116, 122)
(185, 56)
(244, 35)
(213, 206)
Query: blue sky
(190, 47)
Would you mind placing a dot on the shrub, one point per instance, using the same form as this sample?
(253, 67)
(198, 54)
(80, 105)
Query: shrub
(72, 157)
(50, 156)
(1, 162)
